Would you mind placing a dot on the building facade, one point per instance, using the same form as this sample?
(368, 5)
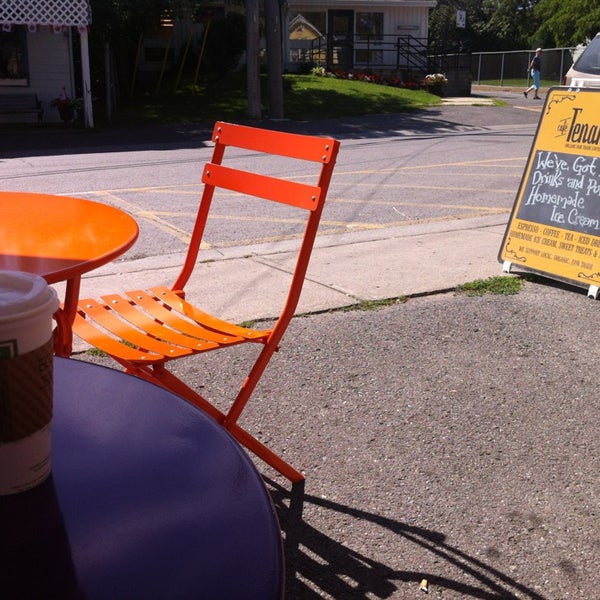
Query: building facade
(352, 34)
(36, 55)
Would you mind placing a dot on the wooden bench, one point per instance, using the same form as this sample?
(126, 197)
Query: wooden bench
(21, 104)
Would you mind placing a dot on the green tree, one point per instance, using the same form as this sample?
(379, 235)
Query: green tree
(509, 22)
(491, 24)
(444, 35)
(567, 23)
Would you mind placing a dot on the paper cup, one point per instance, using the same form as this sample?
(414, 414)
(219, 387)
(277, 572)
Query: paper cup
(27, 304)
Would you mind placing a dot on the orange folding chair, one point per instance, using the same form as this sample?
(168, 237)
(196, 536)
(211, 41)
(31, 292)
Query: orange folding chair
(145, 329)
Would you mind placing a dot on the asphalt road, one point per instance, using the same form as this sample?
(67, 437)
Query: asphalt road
(450, 439)
(433, 165)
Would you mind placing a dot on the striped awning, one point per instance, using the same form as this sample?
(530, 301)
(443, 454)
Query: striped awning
(55, 13)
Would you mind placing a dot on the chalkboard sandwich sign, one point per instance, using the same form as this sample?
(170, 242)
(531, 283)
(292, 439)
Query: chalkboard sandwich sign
(554, 227)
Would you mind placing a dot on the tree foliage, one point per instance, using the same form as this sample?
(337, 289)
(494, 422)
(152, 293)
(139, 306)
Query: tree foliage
(491, 24)
(509, 22)
(567, 23)
(514, 24)
(113, 18)
(443, 33)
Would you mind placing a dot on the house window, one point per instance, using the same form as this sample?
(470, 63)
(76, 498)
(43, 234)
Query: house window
(13, 56)
(369, 35)
(369, 26)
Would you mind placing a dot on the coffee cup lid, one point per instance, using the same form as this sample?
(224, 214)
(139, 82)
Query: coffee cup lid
(22, 292)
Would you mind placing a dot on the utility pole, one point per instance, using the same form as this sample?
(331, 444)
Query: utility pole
(252, 63)
(274, 59)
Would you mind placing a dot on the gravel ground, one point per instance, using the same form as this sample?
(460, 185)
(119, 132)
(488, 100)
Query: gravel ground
(448, 438)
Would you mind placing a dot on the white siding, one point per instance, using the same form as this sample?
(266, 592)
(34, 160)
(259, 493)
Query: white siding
(49, 68)
(407, 21)
(49, 60)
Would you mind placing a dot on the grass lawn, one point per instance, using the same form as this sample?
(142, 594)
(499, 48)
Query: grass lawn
(305, 97)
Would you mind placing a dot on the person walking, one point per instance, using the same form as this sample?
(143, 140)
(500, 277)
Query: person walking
(535, 68)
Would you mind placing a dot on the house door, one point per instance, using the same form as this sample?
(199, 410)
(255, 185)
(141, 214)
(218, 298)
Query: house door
(340, 39)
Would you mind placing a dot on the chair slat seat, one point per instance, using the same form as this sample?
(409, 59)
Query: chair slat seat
(107, 318)
(97, 337)
(210, 322)
(143, 330)
(165, 333)
(194, 339)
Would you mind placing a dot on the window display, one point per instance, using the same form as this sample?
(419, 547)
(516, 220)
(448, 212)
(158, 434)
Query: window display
(13, 56)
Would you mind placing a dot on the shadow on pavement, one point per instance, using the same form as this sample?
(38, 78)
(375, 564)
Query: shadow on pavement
(48, 140)
(316, 564)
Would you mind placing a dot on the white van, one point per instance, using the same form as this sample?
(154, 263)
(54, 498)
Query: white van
(585, 72)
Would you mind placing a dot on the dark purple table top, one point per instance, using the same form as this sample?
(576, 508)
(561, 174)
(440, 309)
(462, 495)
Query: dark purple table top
(148, 498)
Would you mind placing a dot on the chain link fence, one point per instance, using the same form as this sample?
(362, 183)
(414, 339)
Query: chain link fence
(511, 67)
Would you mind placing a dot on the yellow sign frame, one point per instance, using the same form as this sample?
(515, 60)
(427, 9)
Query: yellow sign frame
(554, 227)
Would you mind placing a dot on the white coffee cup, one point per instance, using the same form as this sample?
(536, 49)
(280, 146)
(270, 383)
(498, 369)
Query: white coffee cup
(27, 304)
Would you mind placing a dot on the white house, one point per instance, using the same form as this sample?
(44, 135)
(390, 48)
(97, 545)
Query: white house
(36, 54)
(357, 34)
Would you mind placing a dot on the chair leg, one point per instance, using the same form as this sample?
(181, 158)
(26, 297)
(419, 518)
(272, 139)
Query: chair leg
(62, 334)
(250, 383)
(175, 385)
(265, 454)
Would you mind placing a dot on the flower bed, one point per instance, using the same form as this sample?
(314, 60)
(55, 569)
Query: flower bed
(434, 79)
(434, 83)
(367, 77)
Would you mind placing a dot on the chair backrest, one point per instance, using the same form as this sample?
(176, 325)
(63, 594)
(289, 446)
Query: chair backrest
(311, 197)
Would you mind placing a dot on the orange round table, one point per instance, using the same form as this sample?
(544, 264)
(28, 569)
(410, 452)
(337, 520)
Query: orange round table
(61, 238)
